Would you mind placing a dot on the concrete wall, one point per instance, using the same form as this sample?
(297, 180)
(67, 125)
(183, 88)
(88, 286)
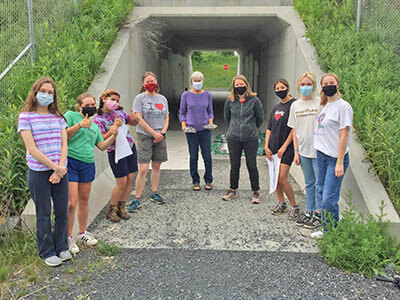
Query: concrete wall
(214, 3)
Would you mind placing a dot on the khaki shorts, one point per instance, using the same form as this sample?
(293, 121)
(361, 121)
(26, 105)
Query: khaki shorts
(148, 151)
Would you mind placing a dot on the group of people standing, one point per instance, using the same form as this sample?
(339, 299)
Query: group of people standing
(60, 150)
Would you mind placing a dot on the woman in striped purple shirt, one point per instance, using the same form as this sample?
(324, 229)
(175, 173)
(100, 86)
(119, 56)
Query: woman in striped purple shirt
(43, 130)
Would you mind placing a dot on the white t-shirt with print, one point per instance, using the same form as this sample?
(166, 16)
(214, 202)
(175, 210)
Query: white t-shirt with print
(333, 116)
(302, 117)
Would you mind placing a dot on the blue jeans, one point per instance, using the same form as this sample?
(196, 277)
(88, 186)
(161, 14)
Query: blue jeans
(42, 191)
(202, 139)
(309, 166)
(328, 184)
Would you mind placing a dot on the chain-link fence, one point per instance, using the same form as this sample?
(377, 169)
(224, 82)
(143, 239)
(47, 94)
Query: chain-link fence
(19, 23)
(381, 18)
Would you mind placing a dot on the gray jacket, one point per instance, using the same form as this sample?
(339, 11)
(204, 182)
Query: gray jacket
(243, 118)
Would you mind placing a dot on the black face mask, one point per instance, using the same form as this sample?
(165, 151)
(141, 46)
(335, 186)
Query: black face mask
(282, 94)
(89, 110)
(240, 90)
(330, 90)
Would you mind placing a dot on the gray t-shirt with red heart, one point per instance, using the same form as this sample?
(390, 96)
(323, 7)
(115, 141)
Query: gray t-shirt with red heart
(153, 109)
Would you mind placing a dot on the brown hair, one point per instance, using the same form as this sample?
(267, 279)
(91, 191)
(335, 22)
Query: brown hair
(311, 76)
(324, 98)
(107, 93)
(142, 88)
(80, 99)
(285, 83)
(247, 93)
(31, 103)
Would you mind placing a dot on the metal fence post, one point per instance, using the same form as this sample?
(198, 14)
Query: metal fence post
(359, 14)
(31, 32)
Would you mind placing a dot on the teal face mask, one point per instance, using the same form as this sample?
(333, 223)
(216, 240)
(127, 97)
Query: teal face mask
(306, 90)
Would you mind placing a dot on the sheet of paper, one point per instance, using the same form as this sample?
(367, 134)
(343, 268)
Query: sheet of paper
(122, 148)
(273, 167)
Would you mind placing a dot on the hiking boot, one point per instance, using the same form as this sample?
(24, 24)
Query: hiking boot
(112, 214)
(155, 197)
(294, 213)
(87, 238)
(230, 194)
(72, 246)
(304, 218)
(280, 208)
(313, 223)
(122, 212)
(256, 198)
(134, 206)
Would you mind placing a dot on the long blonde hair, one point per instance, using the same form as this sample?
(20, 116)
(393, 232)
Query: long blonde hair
(248, 91)
(31, 102)
(324, 98)
(311, 76)
(142, 88)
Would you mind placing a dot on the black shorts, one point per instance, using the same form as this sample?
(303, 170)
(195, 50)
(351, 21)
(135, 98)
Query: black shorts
(287, 157)
(124, 166)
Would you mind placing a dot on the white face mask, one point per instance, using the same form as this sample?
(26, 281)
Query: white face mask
(197, 85)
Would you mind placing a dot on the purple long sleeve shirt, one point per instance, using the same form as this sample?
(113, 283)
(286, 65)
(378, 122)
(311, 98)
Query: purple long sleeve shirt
(196, 109)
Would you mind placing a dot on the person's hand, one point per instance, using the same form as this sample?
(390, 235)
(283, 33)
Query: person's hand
(54, 178)
(117, 122)
(134, 118)
(158, 137)
(183, 127)
(268, 152)
(281, 151)
(296, 159)
(86, 122)
(60, 171)
(339, 170)
(114, 130)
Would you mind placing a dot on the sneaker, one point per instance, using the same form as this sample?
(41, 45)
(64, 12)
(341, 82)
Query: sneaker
(279, 209)
(134, 206)
(317, 235)
(53, 261)
(256, 198)
(230, 194)
(87, 238)
(313, 223)
(294, 213)
(65, 255)
(155, 197)
(72, 246)
(303, 219)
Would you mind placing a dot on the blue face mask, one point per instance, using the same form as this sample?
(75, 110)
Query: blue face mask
(306, 90)
(197, 85)
(44, 99)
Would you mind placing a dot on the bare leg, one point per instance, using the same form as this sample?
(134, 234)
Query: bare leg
(141, 179)
(285, 185)
(118, 190)
(72, 202)
(128, 188)
(155, 175)
(83, 204)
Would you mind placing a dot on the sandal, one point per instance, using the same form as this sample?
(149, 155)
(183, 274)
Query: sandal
(208, 187)
(196, 187)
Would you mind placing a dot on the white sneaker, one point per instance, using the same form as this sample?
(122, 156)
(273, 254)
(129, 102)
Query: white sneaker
(72, 246)
(87, 238)
(53, 261)
(317, 235)
(65, 255)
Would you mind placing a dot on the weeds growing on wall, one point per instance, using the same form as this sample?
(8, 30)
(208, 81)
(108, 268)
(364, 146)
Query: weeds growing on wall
(71, 52)
(369, 72)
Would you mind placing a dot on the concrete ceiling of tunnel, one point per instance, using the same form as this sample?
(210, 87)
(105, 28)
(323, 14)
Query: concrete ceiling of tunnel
(188, 33)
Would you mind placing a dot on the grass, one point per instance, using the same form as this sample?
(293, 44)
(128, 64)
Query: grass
(211, 64)
(369, 71)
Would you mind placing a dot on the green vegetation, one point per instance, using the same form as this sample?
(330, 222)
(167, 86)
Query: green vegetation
(211, 64)
(369, 72)
(71, 51)
(360, 244)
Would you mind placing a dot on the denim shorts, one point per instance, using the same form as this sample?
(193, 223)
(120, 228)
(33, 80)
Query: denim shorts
(124, 166)
(79, 171)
